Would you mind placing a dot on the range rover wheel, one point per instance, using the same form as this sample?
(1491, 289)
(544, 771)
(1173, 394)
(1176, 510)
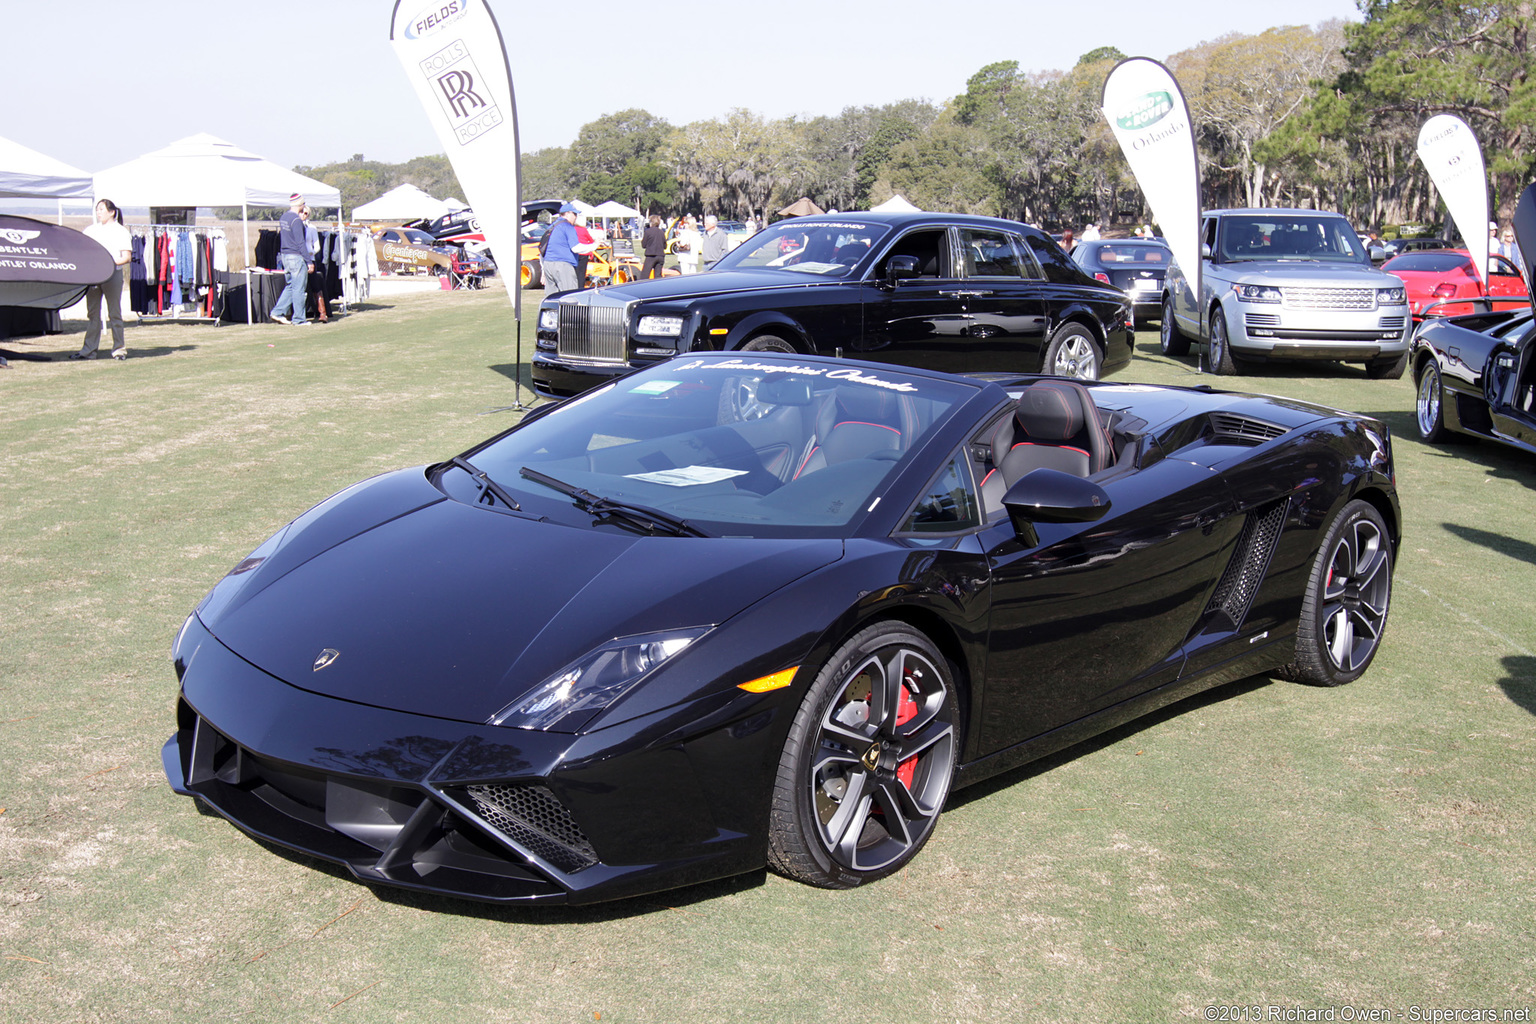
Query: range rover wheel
(1072, 353)
(1221, 347)
(868, 762)
(1390, 368)
(1344, 611)
(1173, 341)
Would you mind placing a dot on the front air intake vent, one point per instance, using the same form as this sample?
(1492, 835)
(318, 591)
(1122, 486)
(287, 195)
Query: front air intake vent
(534, 818)
(1231, 428)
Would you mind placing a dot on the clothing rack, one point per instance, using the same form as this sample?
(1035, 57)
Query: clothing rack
(209, 302)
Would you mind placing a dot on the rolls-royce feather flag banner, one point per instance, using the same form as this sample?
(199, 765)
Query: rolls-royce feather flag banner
(1147, 114)
(1451, 154)
(453, 54)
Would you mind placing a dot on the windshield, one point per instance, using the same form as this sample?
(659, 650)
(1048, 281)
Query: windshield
(756, 445)
(1291, 238)
(826, 248)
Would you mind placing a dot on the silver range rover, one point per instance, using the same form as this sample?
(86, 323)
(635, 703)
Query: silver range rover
(1286, 284)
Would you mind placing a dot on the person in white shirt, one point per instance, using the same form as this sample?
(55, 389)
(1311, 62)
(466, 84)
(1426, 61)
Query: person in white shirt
(687, 248)
(109, 233)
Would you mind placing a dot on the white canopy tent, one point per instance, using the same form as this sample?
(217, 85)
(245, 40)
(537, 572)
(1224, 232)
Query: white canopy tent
(402, 203)
(614, 210)
(202, 170)
(895, 204)
(27, 174)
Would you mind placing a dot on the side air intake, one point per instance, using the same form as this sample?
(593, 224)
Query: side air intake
(1250, 561)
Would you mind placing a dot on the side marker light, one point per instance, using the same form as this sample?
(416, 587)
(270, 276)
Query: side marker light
(777, 681)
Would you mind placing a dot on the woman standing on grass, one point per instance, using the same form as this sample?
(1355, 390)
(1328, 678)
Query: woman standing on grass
(109, 233)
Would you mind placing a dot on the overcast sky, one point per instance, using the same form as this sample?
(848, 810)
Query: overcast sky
(308, 82)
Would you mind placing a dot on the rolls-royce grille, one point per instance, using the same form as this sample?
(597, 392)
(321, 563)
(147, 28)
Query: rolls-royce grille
(592, 332)
(1329, 298)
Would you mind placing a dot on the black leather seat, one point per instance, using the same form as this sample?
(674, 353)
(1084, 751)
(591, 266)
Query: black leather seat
(1054, 425)
(855, 424)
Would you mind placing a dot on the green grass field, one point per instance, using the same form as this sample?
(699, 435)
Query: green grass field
(1263, 845)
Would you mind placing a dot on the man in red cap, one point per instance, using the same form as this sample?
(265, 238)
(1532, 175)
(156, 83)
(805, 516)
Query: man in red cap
(293, 254)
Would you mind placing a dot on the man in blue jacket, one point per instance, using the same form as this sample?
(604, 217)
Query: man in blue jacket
(293, 254)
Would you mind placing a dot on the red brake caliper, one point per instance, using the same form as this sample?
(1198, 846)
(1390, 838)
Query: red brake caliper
(906, 710)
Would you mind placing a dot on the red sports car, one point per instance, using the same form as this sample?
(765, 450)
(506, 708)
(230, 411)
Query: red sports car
(1434, 277)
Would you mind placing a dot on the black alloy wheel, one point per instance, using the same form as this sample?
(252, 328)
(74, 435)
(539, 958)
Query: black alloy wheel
(1173, 341)
(1348, 595)
(868, 762)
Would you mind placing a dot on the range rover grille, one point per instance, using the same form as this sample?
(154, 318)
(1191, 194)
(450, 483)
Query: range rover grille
(592, 332)
(1328, 298)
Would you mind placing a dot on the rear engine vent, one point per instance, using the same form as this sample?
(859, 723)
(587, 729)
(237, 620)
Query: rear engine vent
(1233, 429)
(534, 817)
(1250, 561)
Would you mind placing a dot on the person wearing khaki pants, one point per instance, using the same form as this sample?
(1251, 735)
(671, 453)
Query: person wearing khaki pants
(109, 233)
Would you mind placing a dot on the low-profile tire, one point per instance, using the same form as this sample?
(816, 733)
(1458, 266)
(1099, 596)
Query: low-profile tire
(1072, 353)
(1173, 341)
(868, 762)
(1390, 368)
(768, 343)
(1220, 347)
(1344, 610)
(1429, 406)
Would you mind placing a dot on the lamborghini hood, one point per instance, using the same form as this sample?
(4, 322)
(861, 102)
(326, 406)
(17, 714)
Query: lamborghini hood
(392, 595)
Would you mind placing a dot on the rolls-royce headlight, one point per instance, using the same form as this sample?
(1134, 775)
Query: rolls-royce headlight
(549, 319)
(660, 326)
(1391, 296)
(1258, 293)
(597, 679)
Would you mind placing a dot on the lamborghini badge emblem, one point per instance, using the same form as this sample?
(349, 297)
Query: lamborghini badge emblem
(325, 658)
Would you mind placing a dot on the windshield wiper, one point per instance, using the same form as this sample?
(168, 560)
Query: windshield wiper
(641, 516)
(488, 488)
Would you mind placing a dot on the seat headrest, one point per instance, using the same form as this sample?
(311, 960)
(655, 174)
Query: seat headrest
(1050, 411)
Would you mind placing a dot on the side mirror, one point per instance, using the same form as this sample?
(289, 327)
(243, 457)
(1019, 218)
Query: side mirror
(900, 268)
(1205, 250)
(1051, 496)
(1378, 254)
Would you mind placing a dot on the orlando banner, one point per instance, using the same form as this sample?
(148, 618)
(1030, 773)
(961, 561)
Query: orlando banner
(1147, 114)
(1454, 160)
(453, 54)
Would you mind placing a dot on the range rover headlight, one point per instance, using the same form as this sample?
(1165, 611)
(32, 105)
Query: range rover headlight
(660, 326)
(597, 679)
(1391, 296)
(549, 319)
(1258, 293)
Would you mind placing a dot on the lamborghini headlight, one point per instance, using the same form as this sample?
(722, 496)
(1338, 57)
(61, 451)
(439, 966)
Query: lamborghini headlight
(597, 679)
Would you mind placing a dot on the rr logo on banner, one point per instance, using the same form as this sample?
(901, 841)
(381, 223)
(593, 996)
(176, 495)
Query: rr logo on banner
(467, 105)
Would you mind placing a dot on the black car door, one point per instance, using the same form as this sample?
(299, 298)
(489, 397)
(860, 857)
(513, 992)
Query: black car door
(1511, 384)
(919, 321)
(1003, 292)
(1096, 613)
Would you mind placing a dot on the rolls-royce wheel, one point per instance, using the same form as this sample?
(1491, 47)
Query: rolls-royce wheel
(868, 762)
(1173, 341)
(1221, 347)
(1072, 353)
(1345, 608)
(768, 343)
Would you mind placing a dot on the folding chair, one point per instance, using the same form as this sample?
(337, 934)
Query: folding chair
(465, 274)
